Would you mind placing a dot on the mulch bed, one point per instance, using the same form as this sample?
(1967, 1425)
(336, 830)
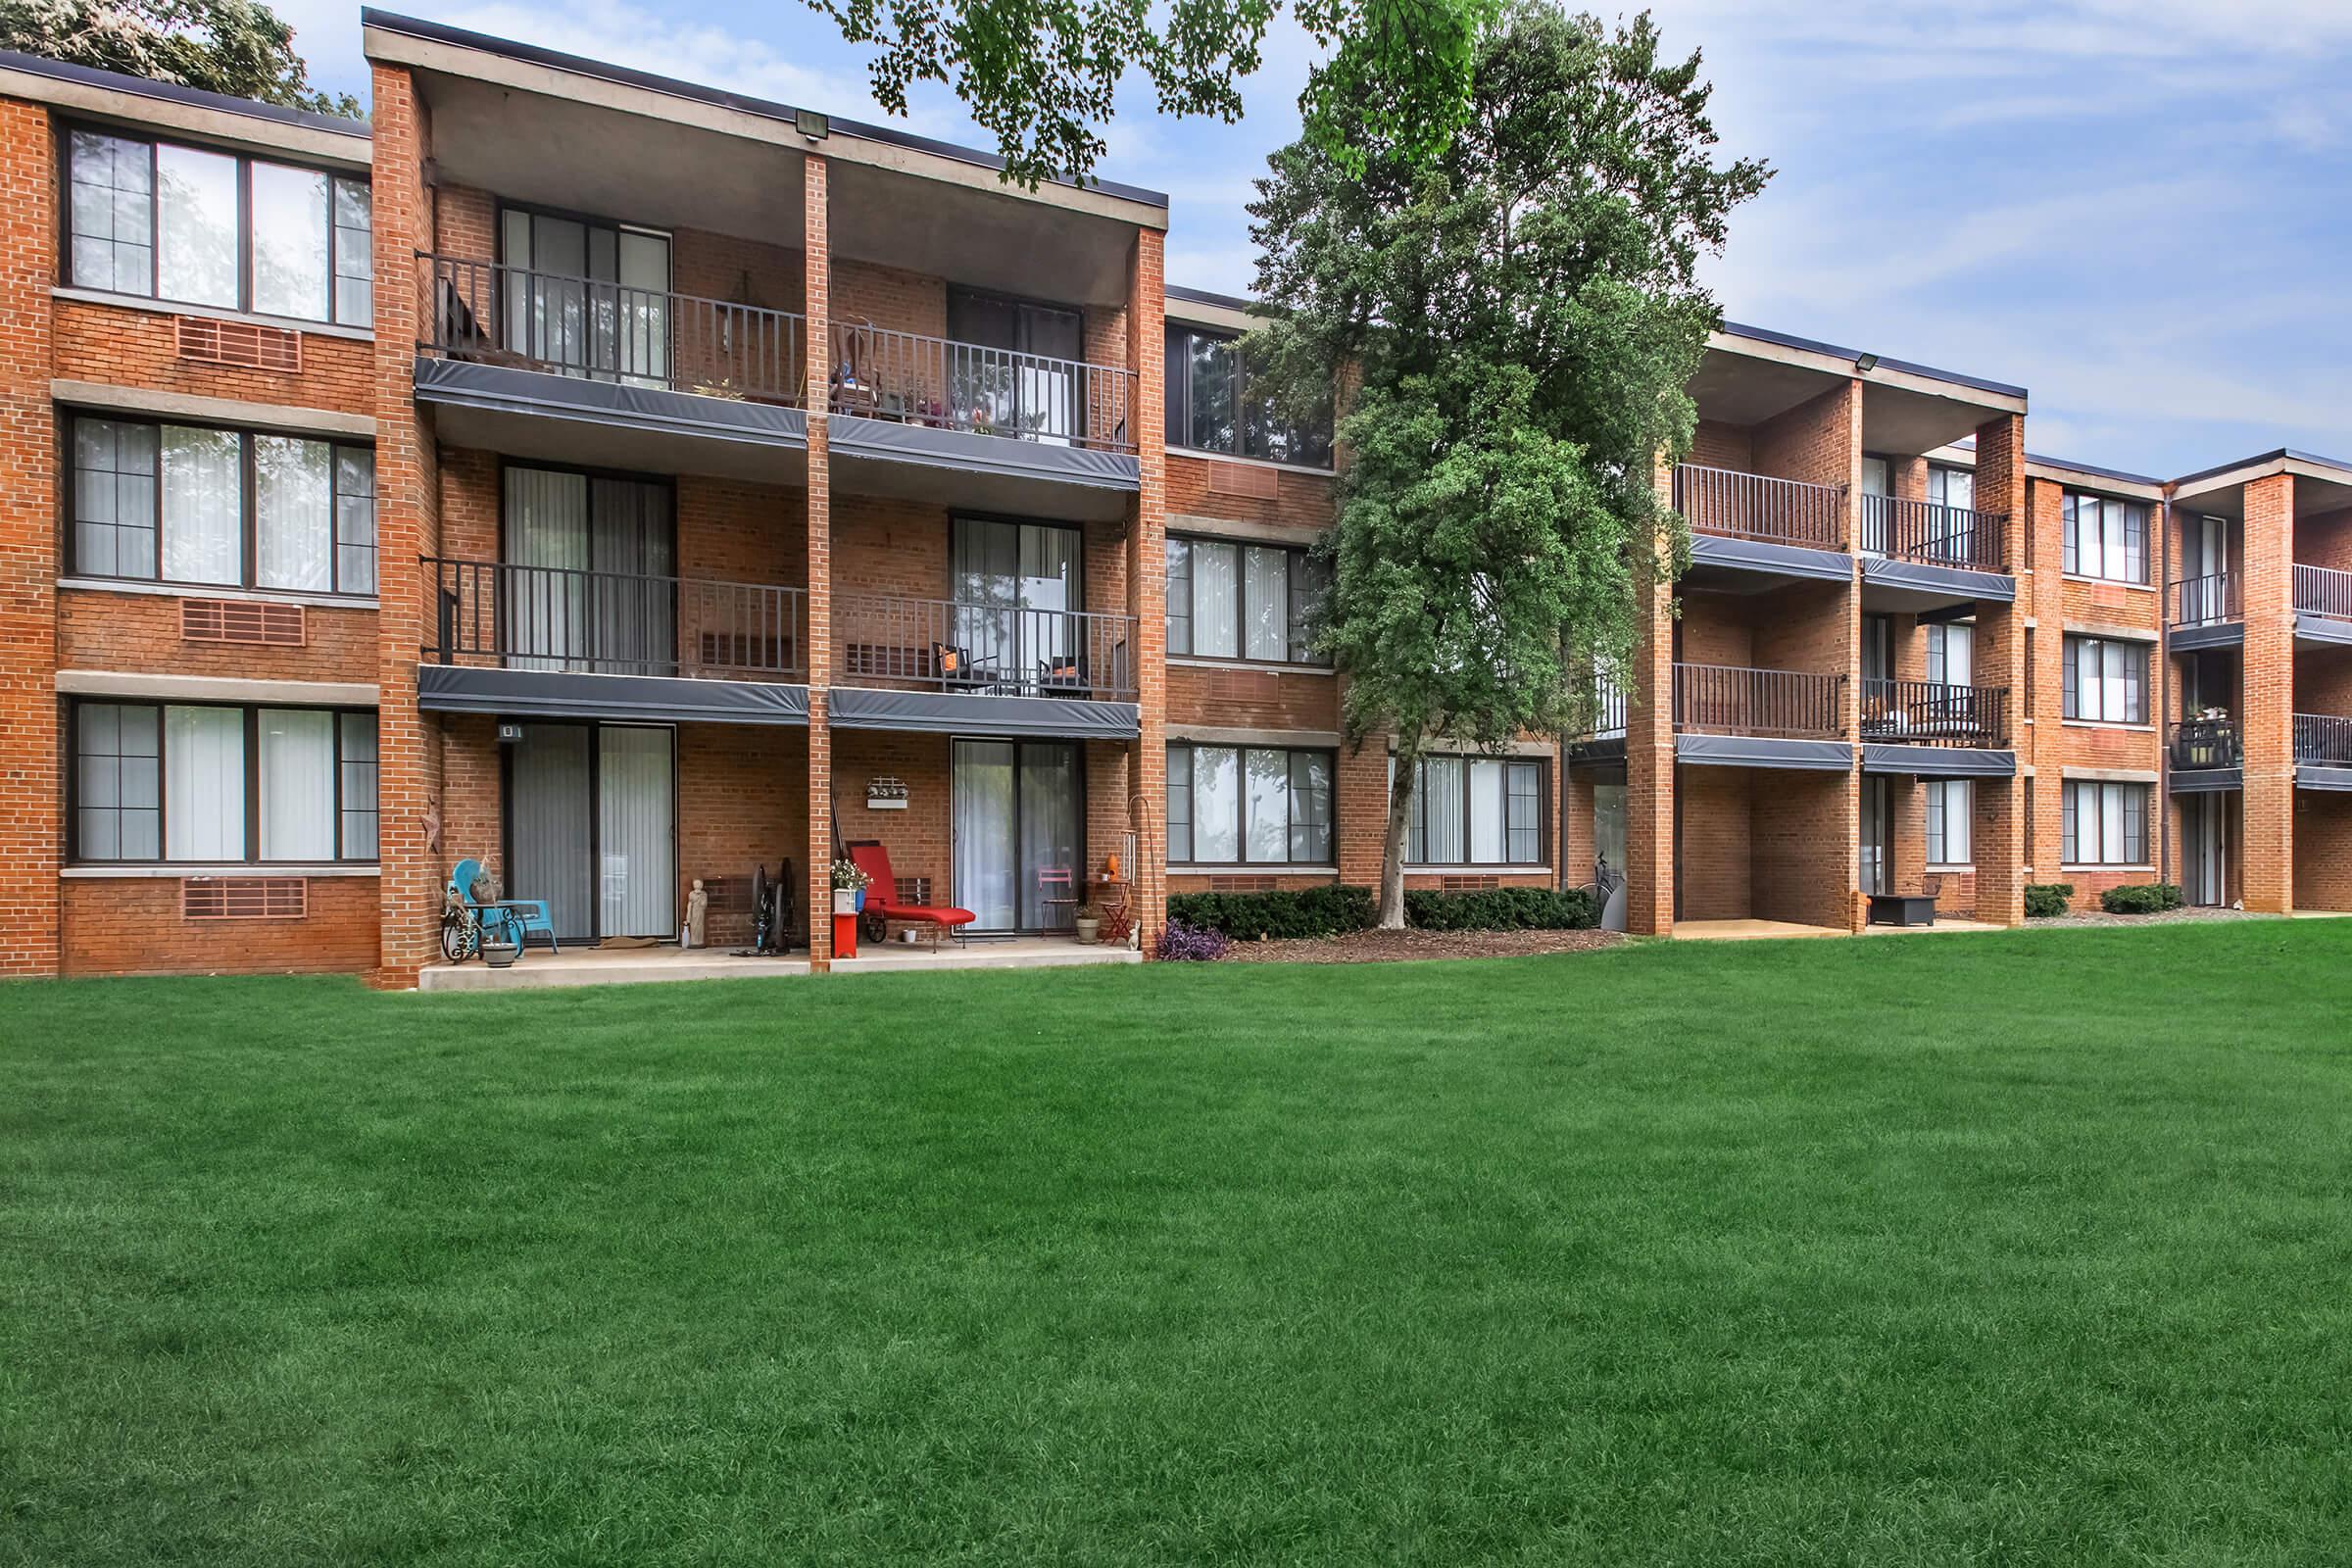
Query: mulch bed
(1382, 947)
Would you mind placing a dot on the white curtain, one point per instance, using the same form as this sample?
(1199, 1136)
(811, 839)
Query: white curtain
(1268, 777)
(197, 196)
(1216, 599)
(1269, 601)
(1441, 810)
(204, 783)
(984, 826)
(1486, 812)
(637, 875)
(202, 505)
(550, 832)
(296, 779)
(1049, 587)
(643, 349)
(1216, 804)
(632, 624)
(294, 511)
(1959, 656)
(291, 263)
(1048, 793)
(547, 535)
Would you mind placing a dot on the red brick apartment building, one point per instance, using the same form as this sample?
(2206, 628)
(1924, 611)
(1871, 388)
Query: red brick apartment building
(626, 483)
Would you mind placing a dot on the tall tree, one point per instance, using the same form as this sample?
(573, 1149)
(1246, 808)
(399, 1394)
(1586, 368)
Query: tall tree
(1521, 314)
(230, 46)
(1040, 74)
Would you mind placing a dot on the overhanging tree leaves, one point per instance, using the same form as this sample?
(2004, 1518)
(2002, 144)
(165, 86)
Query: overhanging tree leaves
(1521, 314)
(1040, 75)
(230, 46)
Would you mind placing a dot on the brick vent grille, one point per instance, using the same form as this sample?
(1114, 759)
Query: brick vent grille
(1240, 884)
(243, 898)
(914, 889)
(242, 343)
(740, 651)
(1242, 479)
(1469, 884)
(238, 621)
(881, 661)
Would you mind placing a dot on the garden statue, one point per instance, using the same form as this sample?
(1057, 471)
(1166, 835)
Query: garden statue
(697, 915)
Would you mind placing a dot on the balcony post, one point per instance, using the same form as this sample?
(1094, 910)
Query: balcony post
(1998, 836)
(2267, 863)
(1147, 594)
(817, 261)
(1649, 776)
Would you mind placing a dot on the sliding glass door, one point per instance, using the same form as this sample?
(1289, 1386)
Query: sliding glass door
(1014, 584)
(586, 298)
(587, 584)
(1018, 825)
(591, 828)
(1014, 365)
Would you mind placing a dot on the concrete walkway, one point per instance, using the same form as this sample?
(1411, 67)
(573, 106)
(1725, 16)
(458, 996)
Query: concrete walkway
(540, 969)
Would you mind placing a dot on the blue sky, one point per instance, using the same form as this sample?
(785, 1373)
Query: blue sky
(2136, 209)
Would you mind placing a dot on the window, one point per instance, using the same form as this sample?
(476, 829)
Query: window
(186, 223)
(1212, 407)
(1951, 654)
(1235, 601)
(1256, 806)
(1949, 803)
(1477, 810)
(2106, 681)
(210, 784)
(2104, 824)
(178, 503)
(2106, 538)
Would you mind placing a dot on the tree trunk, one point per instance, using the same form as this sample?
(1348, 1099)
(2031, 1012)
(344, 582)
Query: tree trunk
(1392, 850)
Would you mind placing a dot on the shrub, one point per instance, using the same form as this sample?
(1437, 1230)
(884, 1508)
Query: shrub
(1180, 943)
(1501, 909)
(1246, 916)
(2046, 899)
(2140, 897)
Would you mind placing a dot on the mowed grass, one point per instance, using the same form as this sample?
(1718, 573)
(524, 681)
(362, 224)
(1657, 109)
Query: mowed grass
(2030, 1249)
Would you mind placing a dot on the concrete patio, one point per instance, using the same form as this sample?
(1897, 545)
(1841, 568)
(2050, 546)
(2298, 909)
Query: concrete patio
(640, 965)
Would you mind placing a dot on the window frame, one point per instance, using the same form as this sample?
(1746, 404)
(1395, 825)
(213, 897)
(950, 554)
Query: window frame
(68, 129)
(2069, 697)
(1292, 861)
(1176, 401)
(2070, 551)
(1296, 558)
(249, 720)
(1543, 799)
(2070, 837)
(1938, 826)
(249, 517)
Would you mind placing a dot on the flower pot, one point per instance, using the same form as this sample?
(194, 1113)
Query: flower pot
(1090, 931)
(846, 901)
(860, 900)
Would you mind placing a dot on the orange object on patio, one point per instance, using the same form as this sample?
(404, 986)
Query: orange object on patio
(845, 936)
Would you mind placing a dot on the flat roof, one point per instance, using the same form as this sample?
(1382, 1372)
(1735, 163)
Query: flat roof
(766, 107)
(1202, 296)
(2091, 468)
(1788, 340)
(172, 92)
(2277, 455)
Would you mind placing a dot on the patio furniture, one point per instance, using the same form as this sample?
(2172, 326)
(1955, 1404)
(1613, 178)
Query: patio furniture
(1110, 896)
(1058, 891)
(505, 922)
(882, 897)
(1902, 908)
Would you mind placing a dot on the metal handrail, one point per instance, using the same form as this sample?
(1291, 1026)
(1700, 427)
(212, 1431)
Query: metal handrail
(2324, 738)
(1758, 506)
(615, 624)
(1737, 700)
(983, 649)
(2193, 743)
(1930, 533)
(1928, 713)
(885, 374)
(2323, 591)
(2207, 600)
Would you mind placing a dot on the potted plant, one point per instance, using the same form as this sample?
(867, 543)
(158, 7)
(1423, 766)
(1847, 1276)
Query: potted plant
(1088, 917)
(849, 887)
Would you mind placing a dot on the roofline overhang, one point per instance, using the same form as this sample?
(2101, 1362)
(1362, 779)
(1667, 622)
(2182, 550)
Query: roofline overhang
(1226, 311)
(167, 106)
(417, 44)
(2285, 460)
(1782, 348)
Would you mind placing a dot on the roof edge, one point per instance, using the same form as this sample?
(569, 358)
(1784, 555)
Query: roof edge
(174, 93)
(1789, 340)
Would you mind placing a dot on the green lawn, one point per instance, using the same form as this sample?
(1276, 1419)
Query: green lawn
(2029, 1249)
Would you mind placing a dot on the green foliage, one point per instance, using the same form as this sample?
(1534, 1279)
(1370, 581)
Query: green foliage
(235, 47)
(2140, 897)
(1501, 909)
(1041, 75)
(1246, 916)
(1520, 313)
(2047, 899)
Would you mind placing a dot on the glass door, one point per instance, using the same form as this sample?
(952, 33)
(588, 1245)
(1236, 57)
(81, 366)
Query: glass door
(1014, 366)
(1014, 586)
(1608, 852)
(586, 583)
(592, 828)
(550, 850)
(1871, 513)
(636, 839)
(1877, 848)
(1018, 824)
(585, 298)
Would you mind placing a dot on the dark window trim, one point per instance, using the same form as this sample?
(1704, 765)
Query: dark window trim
(2070, 554)
(1242, 807)
(249, 530)
(2070, 695)
(155, 221)
(250, 717)
(2069, 821)
(1294, 555)
(1177, 396)
(596, 728)
(1544, 813)
(962, 514)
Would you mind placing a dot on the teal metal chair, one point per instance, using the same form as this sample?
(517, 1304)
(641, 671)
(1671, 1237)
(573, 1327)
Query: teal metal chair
(508, 921)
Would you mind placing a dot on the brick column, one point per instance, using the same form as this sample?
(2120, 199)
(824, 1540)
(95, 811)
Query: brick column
(31, 796)
(1997, 837)
(2266, 865)
(2040, 733)
(817, 269)
(1649, 744)
(1845, 831)
(408, 526)
(1146, 592)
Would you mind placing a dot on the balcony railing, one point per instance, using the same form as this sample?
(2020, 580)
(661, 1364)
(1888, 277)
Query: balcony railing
(2196, 744)
(985, 650)
(1755, 506)
(607, 332)
(615, 623)
(963, 386)
(2324, 738)
(1732, 699)
(2323, 591)
(1928, 713)
(2207, 600)
(1930, 533)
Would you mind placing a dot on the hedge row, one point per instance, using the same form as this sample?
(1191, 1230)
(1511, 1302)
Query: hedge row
(2140, 897)
(2044, 899)
(1334, 911)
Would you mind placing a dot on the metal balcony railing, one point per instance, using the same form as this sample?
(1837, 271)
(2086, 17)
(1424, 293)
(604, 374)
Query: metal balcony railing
(1930, 533)
(2196, 744)
(2207, 600)
(1734, 699)
(1926, 713)
(615, 624)
(2323, 591)
(2324, 738)
(1755, 506)
(936, 381)
(607, 332)
(986, 649)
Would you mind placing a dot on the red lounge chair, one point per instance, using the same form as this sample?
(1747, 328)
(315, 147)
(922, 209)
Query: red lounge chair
(882, 897)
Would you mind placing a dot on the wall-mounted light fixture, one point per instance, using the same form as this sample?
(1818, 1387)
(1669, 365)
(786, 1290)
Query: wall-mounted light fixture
(812, 124)
(1864, 364)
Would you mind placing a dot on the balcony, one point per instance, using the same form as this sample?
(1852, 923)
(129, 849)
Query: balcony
(497, 612)
(941, 384)
(2323, 591)
(1752, 506)
(2322, 740)
(2202, 745)
(1929, 534)
(1735, 700)
(956, 646)
(2208, 600)
(1921, 713)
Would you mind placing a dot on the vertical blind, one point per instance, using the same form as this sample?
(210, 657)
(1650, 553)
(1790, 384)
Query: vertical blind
(636, 843)
(295, 784)
(204, 783)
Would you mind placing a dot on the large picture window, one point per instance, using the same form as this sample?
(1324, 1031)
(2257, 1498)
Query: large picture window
(2106, 538)
(208, 784)
(1238, 601)
(1477, 810)
(2104, 824)
(192, 503)
(1213, 408)
(2106, 680)
(1248, 806)
(186, 223)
